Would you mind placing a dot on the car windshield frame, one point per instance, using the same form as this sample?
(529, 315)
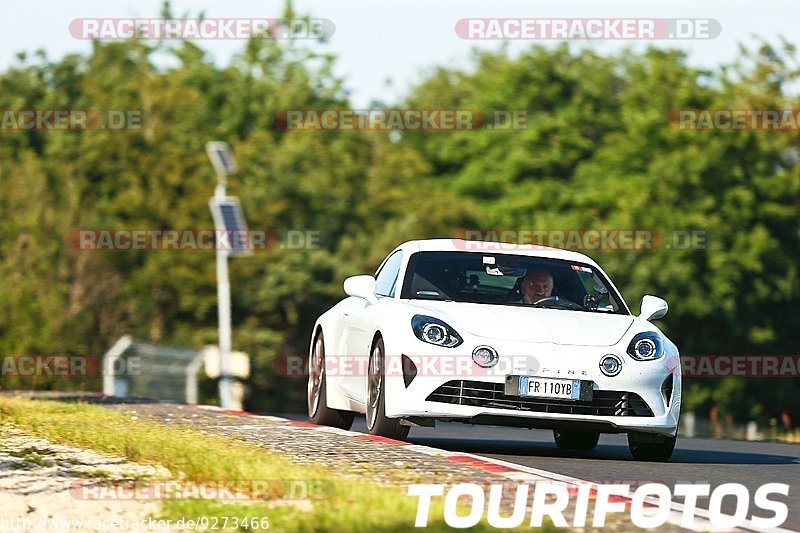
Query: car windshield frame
(512, 266)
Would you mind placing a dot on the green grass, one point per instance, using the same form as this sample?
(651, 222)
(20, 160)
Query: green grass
(348, 505)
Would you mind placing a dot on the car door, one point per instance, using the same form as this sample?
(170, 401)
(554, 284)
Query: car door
(360, 324)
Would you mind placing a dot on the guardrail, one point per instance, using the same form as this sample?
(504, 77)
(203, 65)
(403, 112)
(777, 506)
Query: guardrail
(140, 369)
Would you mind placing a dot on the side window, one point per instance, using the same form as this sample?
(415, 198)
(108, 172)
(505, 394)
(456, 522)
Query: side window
(387, 277)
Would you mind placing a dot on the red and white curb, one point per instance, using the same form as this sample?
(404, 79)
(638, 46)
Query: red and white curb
(514, 472)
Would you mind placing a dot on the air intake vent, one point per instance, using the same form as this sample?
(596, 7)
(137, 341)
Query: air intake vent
(409, 370)
(666, 389)
(479, 394)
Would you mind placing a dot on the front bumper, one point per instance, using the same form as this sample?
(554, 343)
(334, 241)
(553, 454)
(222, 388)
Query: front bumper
(637, 399)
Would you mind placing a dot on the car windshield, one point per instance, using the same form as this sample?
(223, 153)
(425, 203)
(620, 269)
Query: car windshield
(504, 279)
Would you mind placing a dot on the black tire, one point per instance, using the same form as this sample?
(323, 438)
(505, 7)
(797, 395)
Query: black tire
(651, 451)
(377, 423)
(576, 440)
(317, 398)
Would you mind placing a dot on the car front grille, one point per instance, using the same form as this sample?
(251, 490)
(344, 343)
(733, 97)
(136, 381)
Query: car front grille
(491, 395)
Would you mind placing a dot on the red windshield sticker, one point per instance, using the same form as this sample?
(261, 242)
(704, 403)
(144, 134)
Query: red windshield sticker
(581, 268)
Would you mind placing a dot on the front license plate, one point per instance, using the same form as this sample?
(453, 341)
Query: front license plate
(563, 389)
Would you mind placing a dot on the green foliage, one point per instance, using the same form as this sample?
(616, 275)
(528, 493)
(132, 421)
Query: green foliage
(598, 152)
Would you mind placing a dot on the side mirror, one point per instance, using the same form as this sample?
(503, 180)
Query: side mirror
(361, 287)
(653, 307)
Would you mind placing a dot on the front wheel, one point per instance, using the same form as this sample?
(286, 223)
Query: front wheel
(377, 423)
(646, 447)
(318, 410)
(576, 440)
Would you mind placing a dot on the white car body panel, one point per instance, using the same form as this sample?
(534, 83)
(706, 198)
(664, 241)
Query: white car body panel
(564, 344)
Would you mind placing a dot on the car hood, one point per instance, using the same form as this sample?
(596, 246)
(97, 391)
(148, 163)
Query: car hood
(528, 324)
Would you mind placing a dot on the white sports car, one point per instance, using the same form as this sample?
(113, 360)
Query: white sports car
(492, 333)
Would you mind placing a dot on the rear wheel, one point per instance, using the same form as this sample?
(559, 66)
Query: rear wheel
(318, 410)
(377, 423)
(648, 447)
(576, 440)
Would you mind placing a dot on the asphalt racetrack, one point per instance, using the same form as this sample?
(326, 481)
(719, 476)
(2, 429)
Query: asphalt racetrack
(709, 461)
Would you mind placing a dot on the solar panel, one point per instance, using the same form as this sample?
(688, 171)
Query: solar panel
(231, 226)
(229, 217)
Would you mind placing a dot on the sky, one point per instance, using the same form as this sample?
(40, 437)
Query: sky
(377, 41)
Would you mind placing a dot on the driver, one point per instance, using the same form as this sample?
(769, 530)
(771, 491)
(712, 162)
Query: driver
(536, 285)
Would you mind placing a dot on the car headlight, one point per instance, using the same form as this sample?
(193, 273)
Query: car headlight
(434, 331)
(646, 346)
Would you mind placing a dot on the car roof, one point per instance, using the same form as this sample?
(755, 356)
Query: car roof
(461, 245)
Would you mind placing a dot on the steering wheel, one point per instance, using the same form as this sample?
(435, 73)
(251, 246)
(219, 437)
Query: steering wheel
(560, 302)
